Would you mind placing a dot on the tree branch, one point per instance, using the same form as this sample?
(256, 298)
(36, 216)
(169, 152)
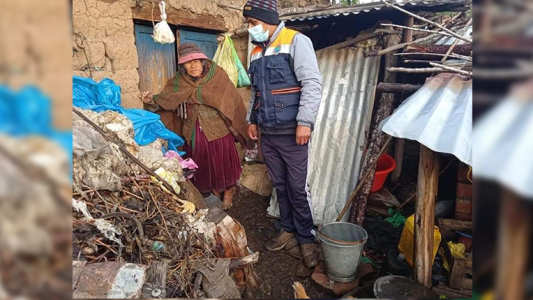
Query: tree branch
(428, 21)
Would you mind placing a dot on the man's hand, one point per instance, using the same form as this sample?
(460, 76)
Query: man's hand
(252, 131)
(303, 134)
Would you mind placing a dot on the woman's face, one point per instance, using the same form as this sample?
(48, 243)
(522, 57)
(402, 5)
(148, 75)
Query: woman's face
(194, 68)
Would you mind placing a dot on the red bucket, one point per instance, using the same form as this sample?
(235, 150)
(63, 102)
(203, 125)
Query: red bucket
(386, 165)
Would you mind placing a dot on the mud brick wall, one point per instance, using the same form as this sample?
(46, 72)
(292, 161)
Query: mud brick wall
(104, 40)
(35, 50)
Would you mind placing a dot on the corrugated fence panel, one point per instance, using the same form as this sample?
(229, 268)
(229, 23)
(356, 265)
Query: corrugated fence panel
(349, 80)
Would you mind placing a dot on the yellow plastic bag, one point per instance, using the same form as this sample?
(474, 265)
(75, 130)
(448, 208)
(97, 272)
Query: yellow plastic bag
(224, 59)
(171, 178)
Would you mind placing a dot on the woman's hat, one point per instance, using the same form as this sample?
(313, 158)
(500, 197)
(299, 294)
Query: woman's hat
(188, 52)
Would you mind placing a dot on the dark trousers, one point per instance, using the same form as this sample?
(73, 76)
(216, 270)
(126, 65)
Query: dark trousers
(287, 165)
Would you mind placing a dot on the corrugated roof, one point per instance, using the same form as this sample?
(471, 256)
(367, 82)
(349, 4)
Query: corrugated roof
(322, 11)
(438, 115)
(339, 136)
(504, 145)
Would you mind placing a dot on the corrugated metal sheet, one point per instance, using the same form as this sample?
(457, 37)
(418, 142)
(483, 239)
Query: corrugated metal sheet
(321, 11)
(338, 139)
(438, 115)
(464, 32)
(504, 144)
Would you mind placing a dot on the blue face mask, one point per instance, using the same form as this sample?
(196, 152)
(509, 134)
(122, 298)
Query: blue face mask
(258, 34)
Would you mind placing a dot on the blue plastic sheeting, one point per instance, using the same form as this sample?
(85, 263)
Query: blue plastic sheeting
(105, 95)
(29, 112)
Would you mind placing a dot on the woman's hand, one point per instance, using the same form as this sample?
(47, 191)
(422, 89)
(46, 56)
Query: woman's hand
(303, 134)
(146, 97)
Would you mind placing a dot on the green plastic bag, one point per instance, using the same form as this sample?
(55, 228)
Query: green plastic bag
(226, 57)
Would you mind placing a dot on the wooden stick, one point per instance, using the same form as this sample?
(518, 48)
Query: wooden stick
(416, 70)
(454, 55)
(428, 21)
(361, 182)
(397, 47)
(417, 29)
(126, 152)
(452, 69)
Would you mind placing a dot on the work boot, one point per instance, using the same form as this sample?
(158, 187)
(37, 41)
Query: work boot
(293, 249)
(280, 241)
(310, 255)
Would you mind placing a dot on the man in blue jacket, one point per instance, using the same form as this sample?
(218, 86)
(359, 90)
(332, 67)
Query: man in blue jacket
(286, 93)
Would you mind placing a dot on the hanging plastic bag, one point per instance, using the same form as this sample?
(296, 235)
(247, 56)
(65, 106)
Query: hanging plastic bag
(162, 32)
(226, 57)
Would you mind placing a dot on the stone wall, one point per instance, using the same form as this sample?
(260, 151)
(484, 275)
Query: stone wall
(104, 40)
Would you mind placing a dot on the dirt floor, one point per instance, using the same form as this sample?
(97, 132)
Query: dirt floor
(276, 269)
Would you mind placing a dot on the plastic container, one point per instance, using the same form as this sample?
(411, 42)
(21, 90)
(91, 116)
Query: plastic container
(386, 164)
(407, 241)
(342, 245)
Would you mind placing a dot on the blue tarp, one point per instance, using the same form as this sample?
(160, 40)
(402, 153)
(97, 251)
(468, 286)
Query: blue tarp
(105, 95)
(29, 112)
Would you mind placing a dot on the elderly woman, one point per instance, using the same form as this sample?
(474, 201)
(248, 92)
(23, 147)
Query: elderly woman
(202, 105)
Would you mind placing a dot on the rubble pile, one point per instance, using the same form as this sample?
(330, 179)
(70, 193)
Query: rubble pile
(121, 214)
(34, 225)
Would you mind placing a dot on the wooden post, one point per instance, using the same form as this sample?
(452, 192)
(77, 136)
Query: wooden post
(399, 144)
(428, 182)
(377, 137)
(513, 247)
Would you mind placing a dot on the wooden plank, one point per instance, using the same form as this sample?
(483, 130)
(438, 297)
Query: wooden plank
(450, 224)
(442, 289)
(458, 273)
(467, 284)
(180, 17)
(155, 286)
(428, 179)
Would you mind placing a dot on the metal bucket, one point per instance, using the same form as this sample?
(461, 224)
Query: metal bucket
(342, 244)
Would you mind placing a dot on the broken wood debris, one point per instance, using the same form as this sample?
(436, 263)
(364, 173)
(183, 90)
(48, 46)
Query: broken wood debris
(153, 225)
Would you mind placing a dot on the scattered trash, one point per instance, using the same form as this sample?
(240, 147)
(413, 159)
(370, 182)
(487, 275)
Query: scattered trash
(396, 218)
(226, 57)
(105, 95)
(406, 245)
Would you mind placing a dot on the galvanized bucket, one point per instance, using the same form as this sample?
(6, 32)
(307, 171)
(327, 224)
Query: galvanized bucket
(342, 244)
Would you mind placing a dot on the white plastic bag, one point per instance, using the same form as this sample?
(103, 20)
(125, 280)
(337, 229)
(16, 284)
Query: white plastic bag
(162, 32)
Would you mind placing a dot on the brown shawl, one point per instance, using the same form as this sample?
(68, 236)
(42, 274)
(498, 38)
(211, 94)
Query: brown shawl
(214, 89)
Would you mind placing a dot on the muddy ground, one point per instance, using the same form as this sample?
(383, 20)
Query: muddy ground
(276, 269)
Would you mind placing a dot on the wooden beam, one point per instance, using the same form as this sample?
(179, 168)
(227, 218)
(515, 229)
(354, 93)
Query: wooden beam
(397, 88)
(464, 49)
(376, 140)
(428, 181)
(442, 289)
(180, 17)
(399, 144)
(450, 224)
(513, 250)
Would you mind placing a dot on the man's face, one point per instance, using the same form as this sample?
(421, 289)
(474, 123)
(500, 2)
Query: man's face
(254, 22)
